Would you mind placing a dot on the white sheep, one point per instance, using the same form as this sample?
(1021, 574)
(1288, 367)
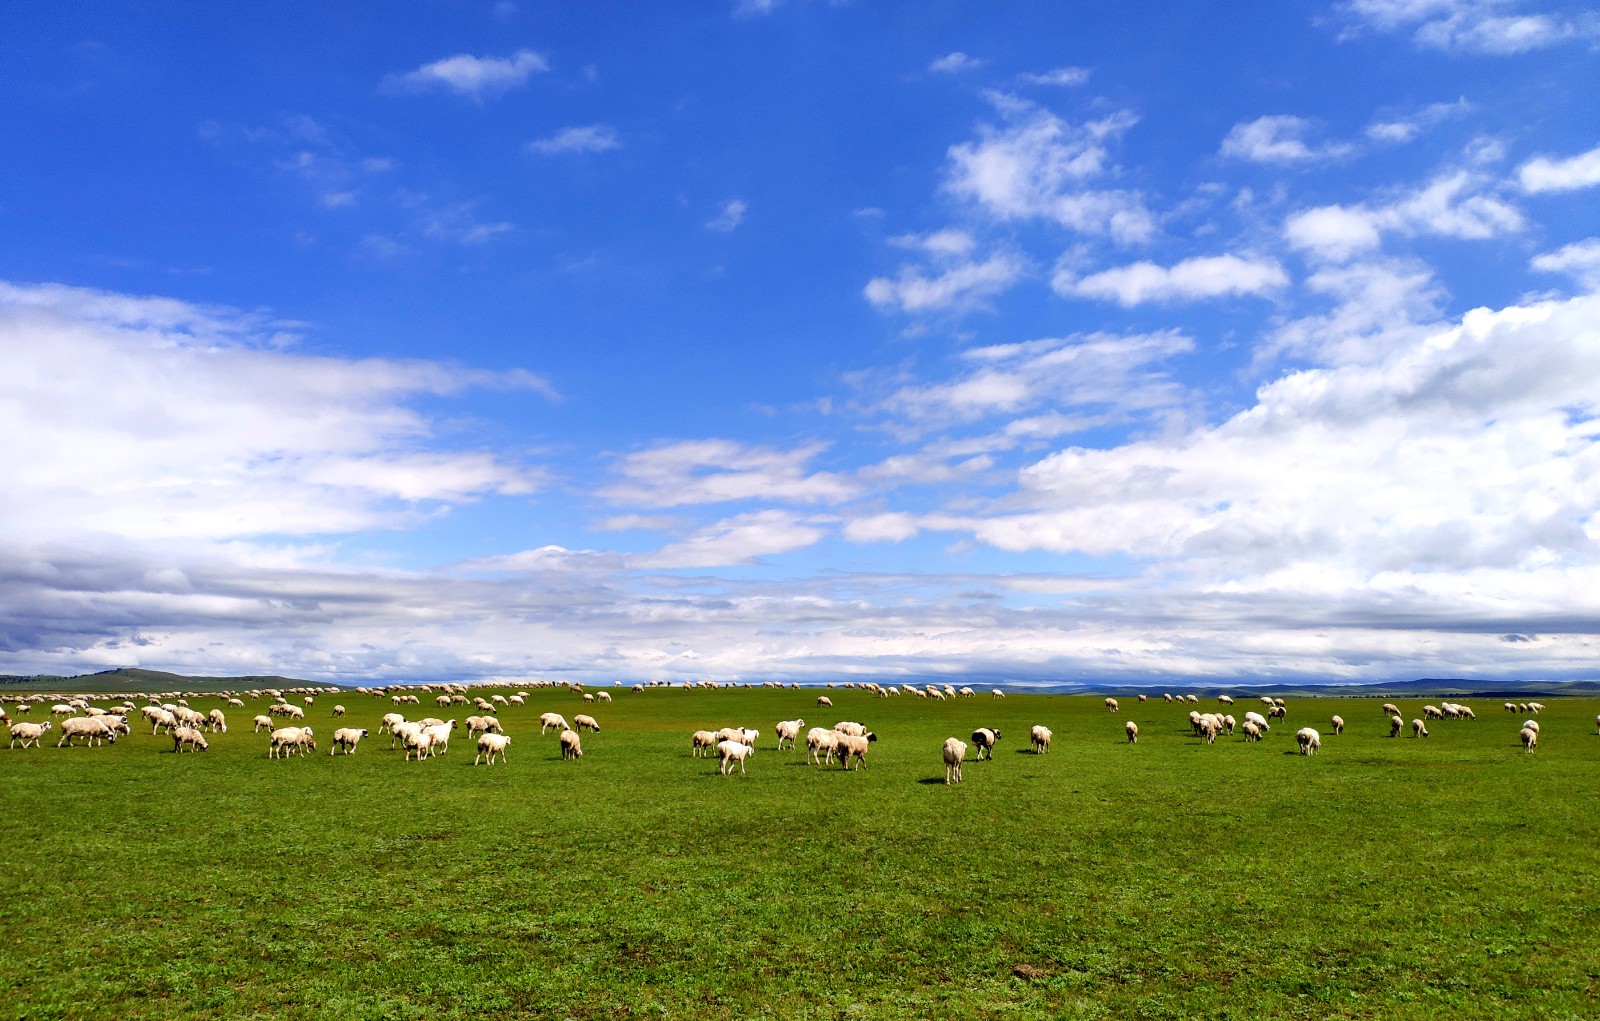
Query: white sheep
(1111, 705)
(731, 751)
(1259, 720)
(338, 710)
(586, 723)
(984, 739)
(1530, 739)
(820, 745)
(571, 745)
(850, 727)
(217, 720)
(824, 700)
(603, 696)
(1041, 738)
(1532, 725)
(1418, 729)
(1132, 730)
(702, 742)
(190, 738)
(1391, 709)
(1396, 724)
(262, 723)
(417, 740)
(288, 739)
(1510, 707)
(1308, 740)
(1225, 699)
(28, 733)
(788, 730)
(1432, 712)
(347, 738)
(997, 693)
(1536, 707)
(1252, 732)
(93, 729)
(955, 752)
(556, 720)
(856, 746)
(440, 732)
(491, 745)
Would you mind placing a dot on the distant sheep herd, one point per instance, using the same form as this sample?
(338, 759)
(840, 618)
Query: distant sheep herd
(848, 742)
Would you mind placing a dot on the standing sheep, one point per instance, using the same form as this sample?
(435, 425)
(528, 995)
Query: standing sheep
(1308, 740)
(571, 745)
(788, 730)
(1041, 739)
(347, 738)
(1132, 730)
(1111, 705)
(1338, 725)
(1418, 729)
(955, 752)
(848, 746)
(701, 743)
(28, 733)
(1391, 709)
(492, 745)
(820, 745)
(984, 740)
(1530, 739)
(190, 738)
(729, 752)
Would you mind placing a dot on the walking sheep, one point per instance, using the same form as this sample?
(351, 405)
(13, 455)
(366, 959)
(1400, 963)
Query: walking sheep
(729, 752)
(1041, 739)
(492, 745)
(984, 740)
(1530, 739)
(955, 752)
(347, 738)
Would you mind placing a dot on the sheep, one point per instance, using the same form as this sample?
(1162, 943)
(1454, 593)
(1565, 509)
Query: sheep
(484, 725)
(1259, 720)
(1194, 721)
(1144, 698)
(1111, 705)
(93, 729)
(286, 739)
(1225, 699)
(1338, 725)
(824, 700)
(389, 722)
(850, 727)
(188, 737)
(1510, 707)
(1432, 712)
(1308, 740)
(1418, 729)
(262, 723)
(338, 710)
(571, 745)
(603, 696)
(62, 709)
(1209, 728)
(1278, 712)
(1191, 698)
(788, 730)
(586, 723)
(28, 733)
(1395, 726)
(1532, 725)
(1530, 739)
(347, 738)
(1536, 707)
(984, 740)
(416, 739)
(820, 745)
(1597, 724)
(702, 742)
(1266, 700)
(556, 720)
(491, 745)
(1166, 696)
(848, 746)
(159, 718)
(441, 736)
(216, 720)
(1041, 739)
(1132, 730)
(955, 752)
(729, 752)
(1393, 710)
(997, 693)
(1252, 732)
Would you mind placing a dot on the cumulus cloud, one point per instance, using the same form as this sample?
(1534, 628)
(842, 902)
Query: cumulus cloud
(1489, 27)
(1190, 280)
(1543, 173)
(1279, 139)
(477, 78)
(1579, 260)
(955, 286)
(716, 471)
(589, 138)
(1458, 205)
(1038, 166)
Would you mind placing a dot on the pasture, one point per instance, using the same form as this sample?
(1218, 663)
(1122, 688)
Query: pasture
(1451, 876)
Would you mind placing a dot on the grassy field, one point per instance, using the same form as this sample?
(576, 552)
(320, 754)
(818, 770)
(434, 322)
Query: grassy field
(1447, 877)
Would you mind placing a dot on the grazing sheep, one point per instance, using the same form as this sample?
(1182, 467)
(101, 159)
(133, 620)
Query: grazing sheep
(1251, 731)
(955, 752)
(1111, 705)
(491, 745)
(788, 730)
(1391, 709)
(1278, 712)
(159, 718)
(586, 723)
(848, 746)
(262, 723)
(824, 700)
(820, 745)
(571, 745)
(1191, 698)
(347, 738)
(1132, 730)
(416, 739)
(850, 727)
(288, 739)
(984, 739)
(1209, 728)
(188, 737)
(1396, 724)
(702, 742)
(1510, 707)
(1259, 720)
(93, 729)
(1432, 712)
(217, 721)
(1167, 695)
(1041, 739)
(1418, 729)
(482, 725)
(338, 710)
(1338, 725)
(1530, 739)
(1536, 707)
(1194, 722)
(1225, 699)
(1308, 740)
(603, 696)
(556, 720)
(1532, 725)
(997, 693)
(28, 733)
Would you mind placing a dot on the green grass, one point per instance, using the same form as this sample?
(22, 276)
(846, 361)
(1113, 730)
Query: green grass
(1452, 876)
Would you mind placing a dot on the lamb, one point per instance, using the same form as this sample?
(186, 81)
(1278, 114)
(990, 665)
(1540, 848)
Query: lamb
(1418, 729)
(955, 752)
(288, 739)
(820, 745)
(492, 745)
(1041, 739)
(28, 733)
(1111, 705)
(1530, 739)
(190, 738)
(556, 720)
(984, 739)
(848, 746)
(1395, 725)
(1338, 725)
(93, 729)
(824, 700)
(586, 723)
(729, 752)
(347, 738)
(1132, 730)
(216, 720)
(571, 745)
(702, 741)
(788, 730)
(262, 723)
(1308, 740)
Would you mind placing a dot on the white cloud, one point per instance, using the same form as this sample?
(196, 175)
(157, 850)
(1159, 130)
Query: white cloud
(1062, 76)
(1399, 130)
(1458, 205)
(1190, 280)
(207, 424)
(729, 217)
(955, 63)
(1580, 260)
(1491, 27)
(737, 540)
(589, 138)
(715, 471)
(1038, 166)
(1279, 139)
(476, 78)
(959, 287)
(947, 244)
(887, 527)
(1334, 232)
(1542, 173)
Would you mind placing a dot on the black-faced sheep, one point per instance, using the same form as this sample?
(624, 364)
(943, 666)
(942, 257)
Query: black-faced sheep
(853, 746)
(984, 739)
(347, 738)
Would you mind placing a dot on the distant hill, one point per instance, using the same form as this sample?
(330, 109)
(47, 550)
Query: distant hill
(138, 679)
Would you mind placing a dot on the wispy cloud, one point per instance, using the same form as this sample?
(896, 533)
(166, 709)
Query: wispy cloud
(1491, 27)
(1579, 260)
(1190, 280)
(1460, 204)
(589, 138)
(1060, 76)
(951, 287)
(1280, 139)
(1543, 173)
(955, 63)
(729, 216)
(476, 78)
(717, 471)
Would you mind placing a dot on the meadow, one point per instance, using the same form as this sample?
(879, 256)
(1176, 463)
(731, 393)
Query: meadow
(1451, 876)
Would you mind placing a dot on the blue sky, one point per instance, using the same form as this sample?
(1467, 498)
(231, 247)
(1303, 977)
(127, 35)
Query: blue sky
(803, 340)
